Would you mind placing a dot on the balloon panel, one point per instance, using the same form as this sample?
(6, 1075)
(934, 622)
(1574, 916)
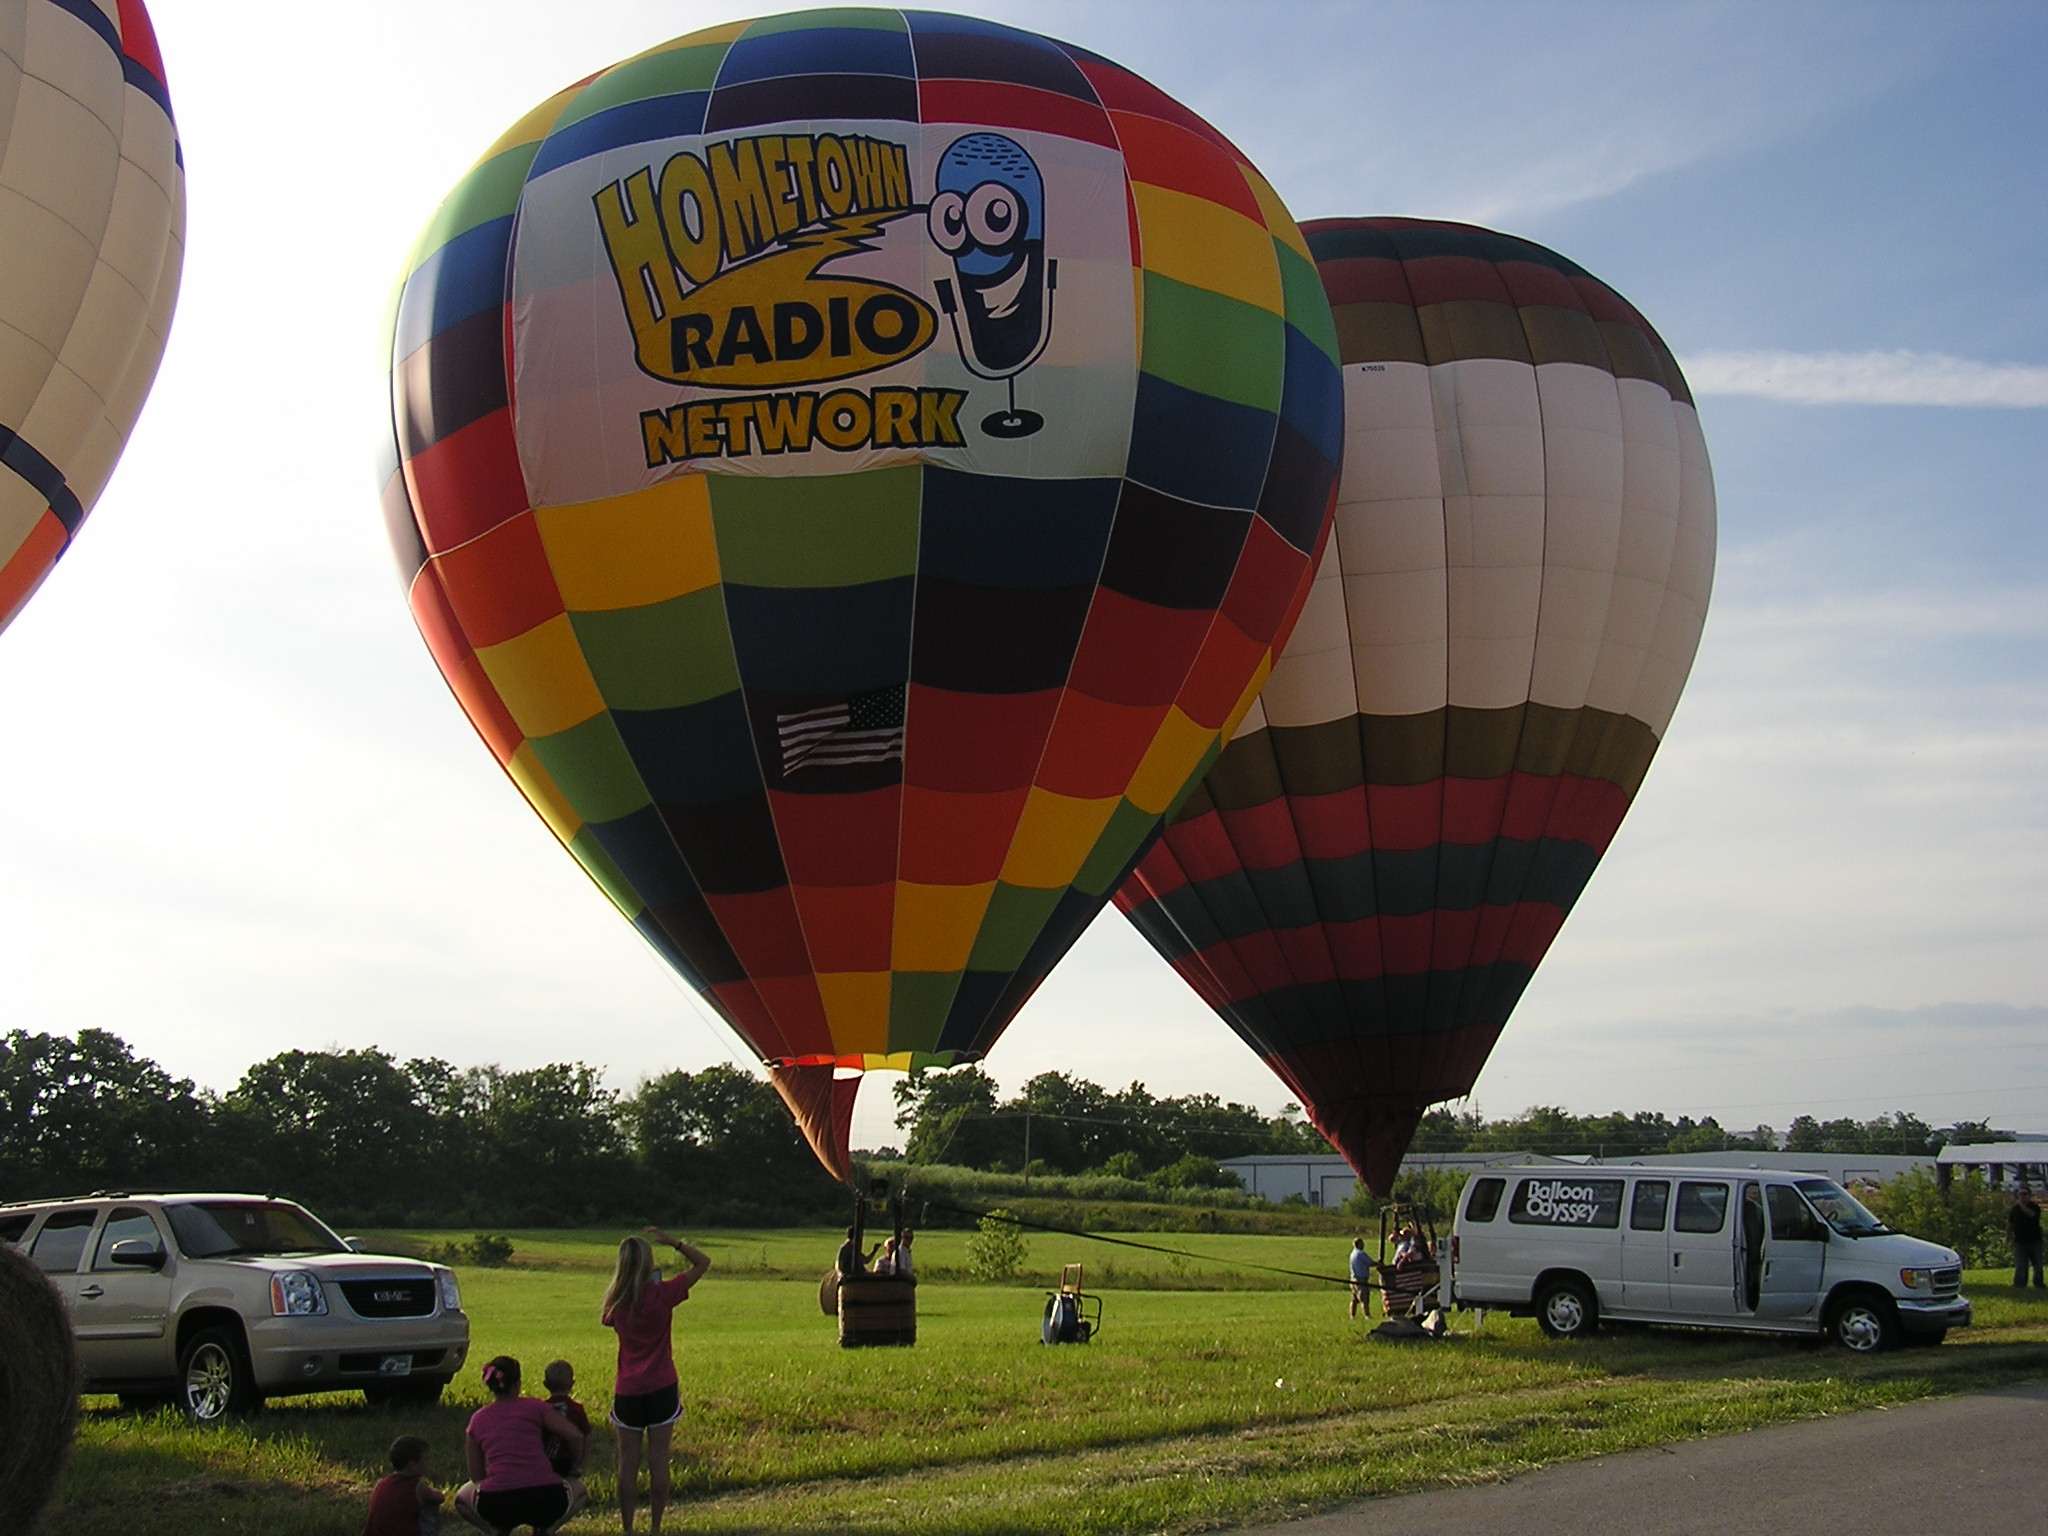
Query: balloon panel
(92, 216)
(1492, 649)
(854, 469)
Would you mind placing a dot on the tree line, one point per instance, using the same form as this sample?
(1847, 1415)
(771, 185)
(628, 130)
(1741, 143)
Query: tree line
(1560, 1133)
(367, 1140)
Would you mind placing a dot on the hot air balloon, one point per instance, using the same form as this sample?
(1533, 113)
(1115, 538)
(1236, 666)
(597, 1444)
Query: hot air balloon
(92, 238)
(854, 468)
(1497, 635)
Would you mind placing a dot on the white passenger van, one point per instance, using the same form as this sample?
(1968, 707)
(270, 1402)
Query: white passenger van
(1707, 1247)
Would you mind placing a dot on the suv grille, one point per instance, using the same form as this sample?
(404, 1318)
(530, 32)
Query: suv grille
(389, 1298)
(1948, 1282)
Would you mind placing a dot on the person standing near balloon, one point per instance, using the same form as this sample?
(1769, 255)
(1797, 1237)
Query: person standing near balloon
(639, 1306)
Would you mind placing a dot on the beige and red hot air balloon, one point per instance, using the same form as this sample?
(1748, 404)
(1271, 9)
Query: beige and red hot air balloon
(1497, 635)
(92, 238)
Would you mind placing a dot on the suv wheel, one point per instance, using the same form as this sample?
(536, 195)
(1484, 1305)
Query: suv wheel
(1864, 1325)
(214, 1379)
(1565, 1309)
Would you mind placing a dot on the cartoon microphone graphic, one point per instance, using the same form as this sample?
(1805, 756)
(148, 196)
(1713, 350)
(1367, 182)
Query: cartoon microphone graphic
(988, 213)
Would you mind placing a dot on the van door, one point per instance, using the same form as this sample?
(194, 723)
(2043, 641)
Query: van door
(1645, 1252)
(1749, 1248)
(1702, 1250)
(1794, 1256)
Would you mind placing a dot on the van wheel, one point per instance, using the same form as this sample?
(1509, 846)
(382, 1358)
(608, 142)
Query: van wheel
(214, 1379)
(1864, 1325)
(1565, 1309)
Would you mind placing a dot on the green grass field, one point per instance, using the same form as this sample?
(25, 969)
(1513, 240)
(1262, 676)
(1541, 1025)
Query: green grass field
(1175, 1419)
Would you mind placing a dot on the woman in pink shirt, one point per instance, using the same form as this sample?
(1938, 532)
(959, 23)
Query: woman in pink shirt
(646, 1400)
(511, 1482)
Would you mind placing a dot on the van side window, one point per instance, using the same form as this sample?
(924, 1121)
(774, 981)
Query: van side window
(1485, 1201)
(1567, 1202)
(61, 1243)
(1653, 1196)
(12, 1228)
(1791, 1220)
(1701, 1207)
(125, 1225)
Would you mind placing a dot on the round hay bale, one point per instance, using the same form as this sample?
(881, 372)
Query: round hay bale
(38, 1390)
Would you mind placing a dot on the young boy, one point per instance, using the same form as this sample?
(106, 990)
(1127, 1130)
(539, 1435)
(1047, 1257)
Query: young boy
(559, 1377)
(405, 1503)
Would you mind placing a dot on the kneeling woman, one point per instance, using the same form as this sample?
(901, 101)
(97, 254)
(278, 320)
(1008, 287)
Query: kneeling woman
(511, 1482)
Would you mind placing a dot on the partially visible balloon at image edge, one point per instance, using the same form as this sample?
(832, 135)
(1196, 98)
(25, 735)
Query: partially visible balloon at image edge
(1500, 626)
(854, 469)
(92, 240)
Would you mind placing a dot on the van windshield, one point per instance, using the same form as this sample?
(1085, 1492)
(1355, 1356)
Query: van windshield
(1840, 1209)
(219, 1229)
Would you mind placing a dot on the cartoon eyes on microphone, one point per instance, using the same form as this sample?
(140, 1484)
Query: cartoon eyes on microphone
(989, 219)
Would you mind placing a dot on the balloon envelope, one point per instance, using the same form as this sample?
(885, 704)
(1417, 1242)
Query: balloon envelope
(1498, 632)
(92, 234)
(854, 468)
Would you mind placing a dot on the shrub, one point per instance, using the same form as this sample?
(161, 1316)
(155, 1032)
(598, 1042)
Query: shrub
(998, 1249)
(484, 1251)
(1969, 1216)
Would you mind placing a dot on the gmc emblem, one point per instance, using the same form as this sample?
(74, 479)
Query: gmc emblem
(388, 1296)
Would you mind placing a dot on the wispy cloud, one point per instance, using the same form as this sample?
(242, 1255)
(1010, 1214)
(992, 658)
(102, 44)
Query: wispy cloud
(1868, 378)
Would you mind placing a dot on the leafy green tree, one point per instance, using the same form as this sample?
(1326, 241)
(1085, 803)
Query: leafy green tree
(998, 1250)
(1968, 1216)
(342, 1131)
(88, 1113)
(950, 1117)
(719, 1146)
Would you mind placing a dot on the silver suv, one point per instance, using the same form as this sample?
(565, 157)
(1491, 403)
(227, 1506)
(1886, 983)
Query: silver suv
(219, 1301)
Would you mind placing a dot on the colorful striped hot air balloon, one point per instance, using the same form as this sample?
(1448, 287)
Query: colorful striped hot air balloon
(1499, 629)
(92, 238)
(854, 468)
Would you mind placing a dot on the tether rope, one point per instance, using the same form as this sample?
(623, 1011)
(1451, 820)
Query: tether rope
(1126, 1242)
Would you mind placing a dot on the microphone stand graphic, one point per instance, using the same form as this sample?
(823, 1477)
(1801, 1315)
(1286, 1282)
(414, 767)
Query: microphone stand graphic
(1010, 421)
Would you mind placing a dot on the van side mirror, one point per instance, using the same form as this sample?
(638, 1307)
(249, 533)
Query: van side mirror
(137, 1253)
(354, 1245)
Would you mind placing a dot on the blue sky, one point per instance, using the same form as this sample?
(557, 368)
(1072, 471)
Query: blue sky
(239, 813)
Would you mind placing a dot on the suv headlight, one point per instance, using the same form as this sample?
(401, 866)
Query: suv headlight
(1917, 1279)
(451, 1293)
(297, 1294)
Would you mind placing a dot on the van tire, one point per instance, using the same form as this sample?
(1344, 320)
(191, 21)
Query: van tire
(1566, 1308)
(1864, 1323)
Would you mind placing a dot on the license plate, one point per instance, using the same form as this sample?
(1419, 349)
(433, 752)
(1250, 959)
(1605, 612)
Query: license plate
(395, 1365)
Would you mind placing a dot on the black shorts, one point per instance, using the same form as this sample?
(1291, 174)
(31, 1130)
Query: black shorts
(648, 1410)
(509, 1508)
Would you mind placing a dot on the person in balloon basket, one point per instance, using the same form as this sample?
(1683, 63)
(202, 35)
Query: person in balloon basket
(511, 1482)
(639, 1306)
(404, 1503)
(851, 1260)
(2023, 1226)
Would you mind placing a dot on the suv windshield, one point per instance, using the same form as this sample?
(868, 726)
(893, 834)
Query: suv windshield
(217, 1229)
(1840, 1209)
